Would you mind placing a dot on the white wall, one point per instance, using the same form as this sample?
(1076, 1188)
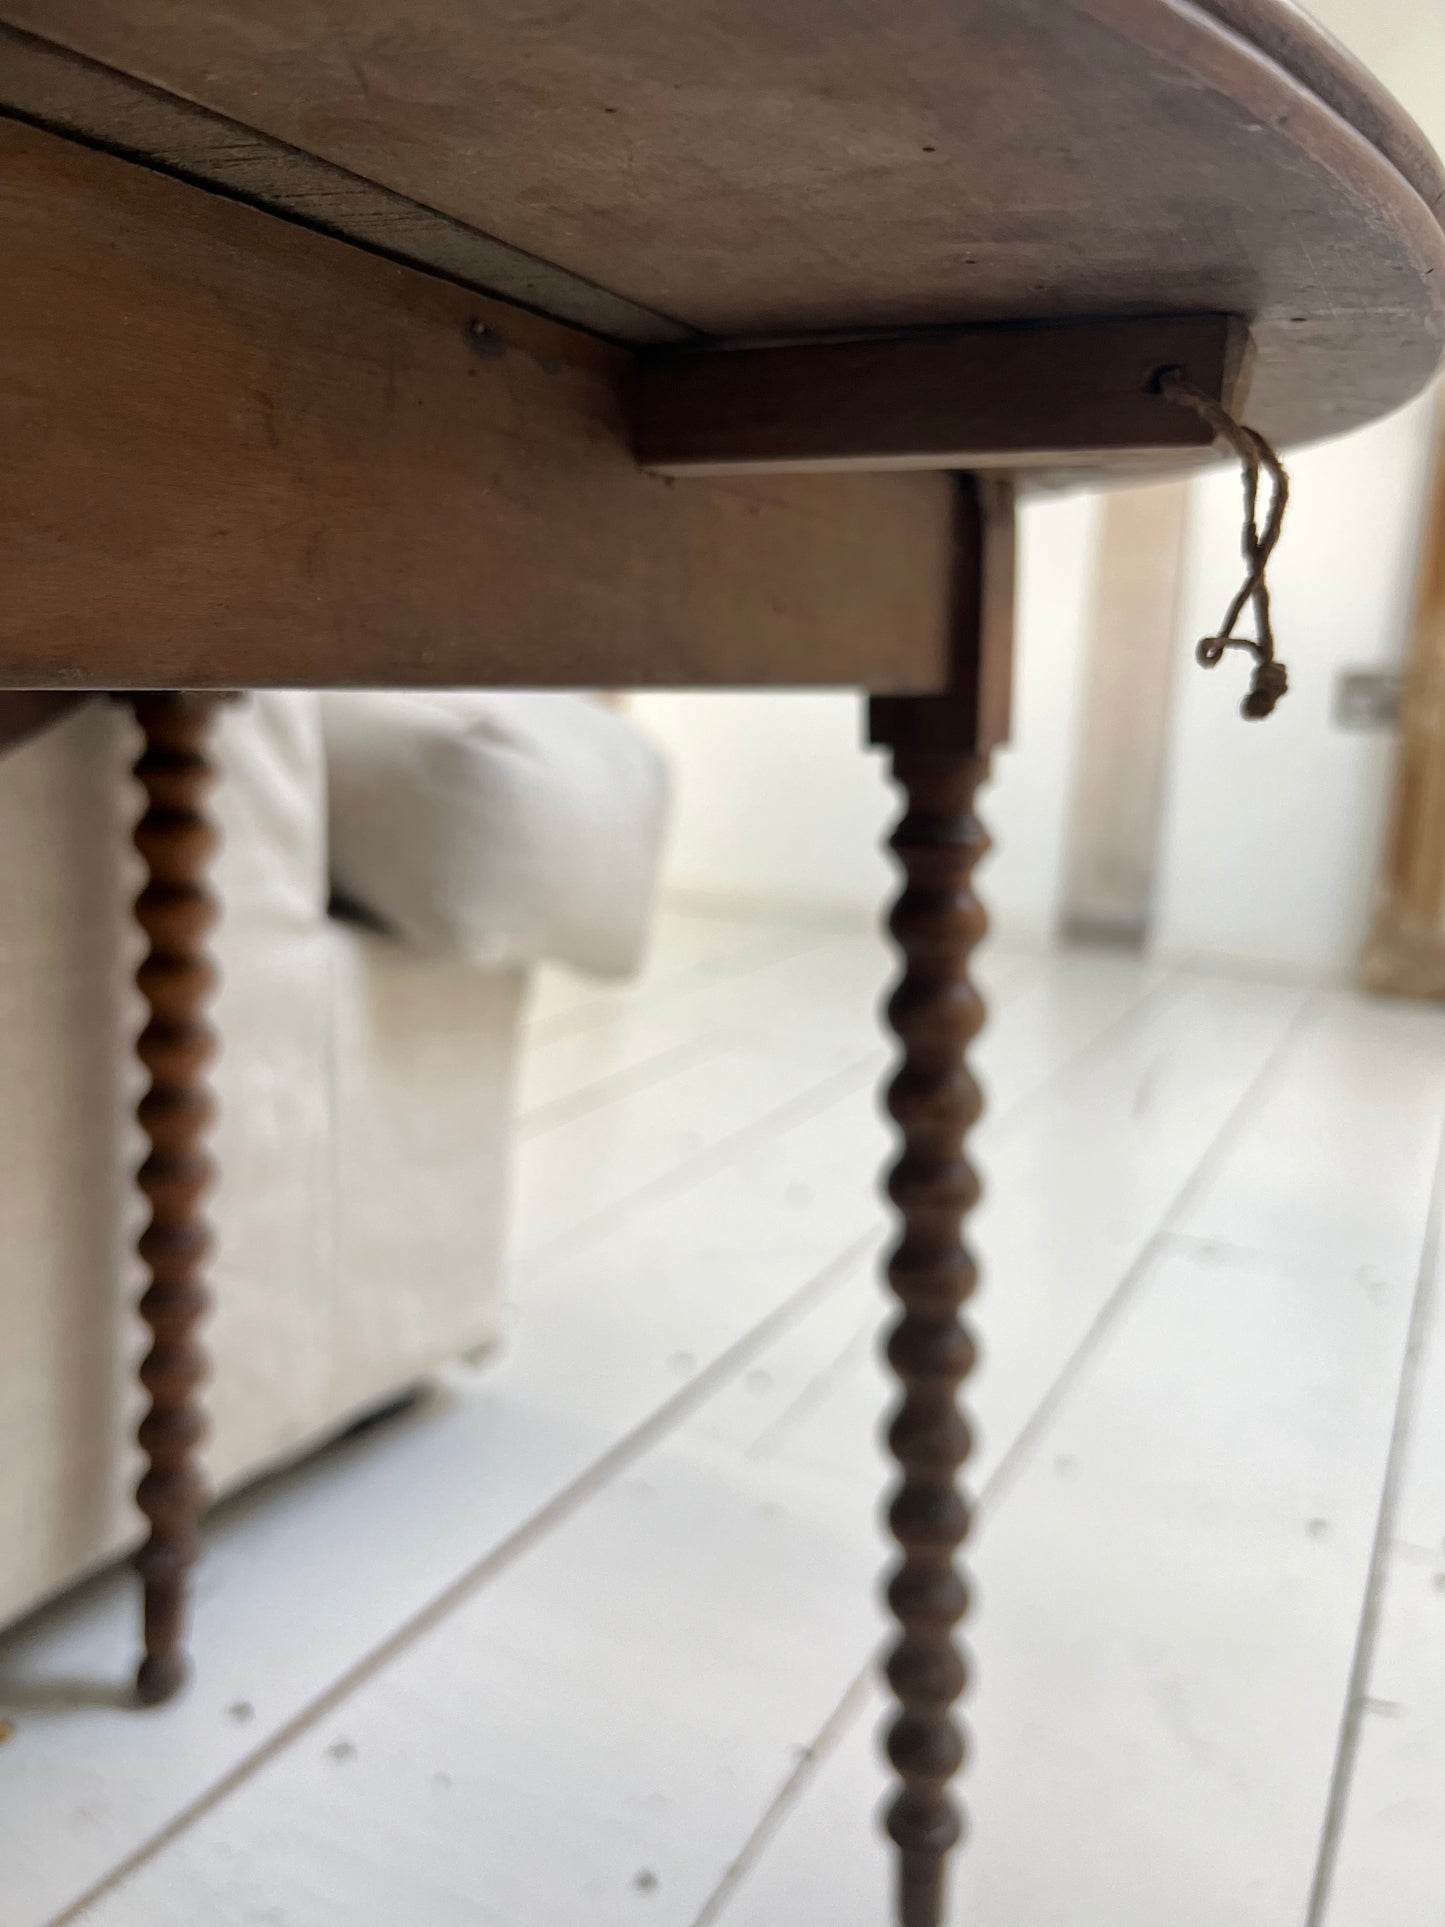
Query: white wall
(1272, 830)
(777, 802)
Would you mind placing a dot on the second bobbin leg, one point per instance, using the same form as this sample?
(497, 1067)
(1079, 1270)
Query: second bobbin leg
(177, 978)
(939, 745)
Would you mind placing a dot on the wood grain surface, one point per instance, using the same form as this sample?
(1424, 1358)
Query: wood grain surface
(973, 715)
(234, 452)
(1032, 396)
(750, 169)
(64, 91)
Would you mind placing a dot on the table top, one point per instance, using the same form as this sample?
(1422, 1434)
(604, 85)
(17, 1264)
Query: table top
(737, 169)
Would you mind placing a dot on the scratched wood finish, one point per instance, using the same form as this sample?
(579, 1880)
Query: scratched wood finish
(58, 89)
(751, 169)
(177, 911)
(974, 711)
(234, 452)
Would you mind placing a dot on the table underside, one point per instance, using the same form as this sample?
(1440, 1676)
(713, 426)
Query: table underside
(655, 171)
(239, 451)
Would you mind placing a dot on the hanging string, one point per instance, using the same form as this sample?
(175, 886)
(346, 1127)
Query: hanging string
(1270, 679)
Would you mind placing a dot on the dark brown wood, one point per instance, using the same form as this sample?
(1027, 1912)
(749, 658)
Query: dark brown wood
(973, 711)
(754, 169)
(983, 605)
(61, 90)
(940, 748)
(934, 1100)
(235, 452)
(177, 979)
(1020, 396)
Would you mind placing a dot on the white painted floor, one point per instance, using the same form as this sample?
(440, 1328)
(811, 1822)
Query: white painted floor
(584, 1637)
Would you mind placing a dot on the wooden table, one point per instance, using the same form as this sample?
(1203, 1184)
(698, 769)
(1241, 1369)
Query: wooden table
(647, 343)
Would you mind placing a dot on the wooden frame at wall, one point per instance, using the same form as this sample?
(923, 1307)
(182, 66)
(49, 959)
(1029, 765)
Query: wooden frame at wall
(1405, 954)
(1115, 816)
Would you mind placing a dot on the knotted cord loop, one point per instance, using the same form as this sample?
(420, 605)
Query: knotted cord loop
(1270, 679)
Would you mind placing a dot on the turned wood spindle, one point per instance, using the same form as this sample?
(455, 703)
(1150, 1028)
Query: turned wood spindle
(935, 1012)
(177, 979)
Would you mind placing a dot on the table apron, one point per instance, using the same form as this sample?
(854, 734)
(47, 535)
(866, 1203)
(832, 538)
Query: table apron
(236, 452)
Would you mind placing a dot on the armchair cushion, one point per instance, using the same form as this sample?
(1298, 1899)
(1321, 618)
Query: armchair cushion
(503, 828)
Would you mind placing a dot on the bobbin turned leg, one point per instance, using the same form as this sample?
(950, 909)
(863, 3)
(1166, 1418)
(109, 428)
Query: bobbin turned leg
(939, 746)
(177, 979)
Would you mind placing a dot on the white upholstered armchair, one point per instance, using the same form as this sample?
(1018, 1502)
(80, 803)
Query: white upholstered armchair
(391, 866)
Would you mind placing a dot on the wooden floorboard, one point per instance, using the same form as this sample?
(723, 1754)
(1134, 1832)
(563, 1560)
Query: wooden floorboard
(1385, 1859)
(616, 1324)
(570, 1641)
(597, 1777)
(1172, 1593)
(687, 948)
(1168, 1606)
